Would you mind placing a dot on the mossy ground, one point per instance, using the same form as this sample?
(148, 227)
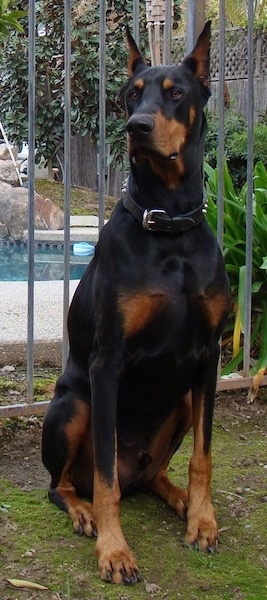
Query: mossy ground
(13, 388)
(37, 542)
(84, 201)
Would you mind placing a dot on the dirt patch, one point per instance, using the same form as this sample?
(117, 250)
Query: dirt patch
(20, 444)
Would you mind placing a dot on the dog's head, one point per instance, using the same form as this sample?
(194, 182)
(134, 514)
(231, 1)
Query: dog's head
(164, 107)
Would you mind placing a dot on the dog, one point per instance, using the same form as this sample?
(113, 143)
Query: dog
(144, 326)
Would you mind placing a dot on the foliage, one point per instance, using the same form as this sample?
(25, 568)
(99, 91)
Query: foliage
(235, 219)
(237, 147)
(235, 144)
(84, 73)
(236, 13)
(9, 19)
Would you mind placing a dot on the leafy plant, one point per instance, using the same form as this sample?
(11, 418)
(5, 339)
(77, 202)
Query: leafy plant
(10, 19)
(235, 219)
(235, 144)
(236, 13)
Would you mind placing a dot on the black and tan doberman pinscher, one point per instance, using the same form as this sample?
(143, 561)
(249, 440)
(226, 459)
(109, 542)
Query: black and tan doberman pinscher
(144, 326)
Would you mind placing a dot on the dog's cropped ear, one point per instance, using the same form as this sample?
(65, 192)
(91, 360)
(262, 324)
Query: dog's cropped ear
(135, 59)
(198, 61)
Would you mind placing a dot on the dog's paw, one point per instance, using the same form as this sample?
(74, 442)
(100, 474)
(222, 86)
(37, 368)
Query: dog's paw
(202, 543)
(118, 566)
(82, 518)
(202, 533)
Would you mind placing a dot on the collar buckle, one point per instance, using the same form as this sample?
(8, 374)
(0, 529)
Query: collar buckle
(149, 220)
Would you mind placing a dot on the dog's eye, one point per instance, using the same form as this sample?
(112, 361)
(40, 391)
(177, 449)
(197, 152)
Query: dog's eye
(175, 94)
(133, 95)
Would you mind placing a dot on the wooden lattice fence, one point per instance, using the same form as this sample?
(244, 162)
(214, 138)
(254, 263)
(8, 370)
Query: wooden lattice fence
(236, 66)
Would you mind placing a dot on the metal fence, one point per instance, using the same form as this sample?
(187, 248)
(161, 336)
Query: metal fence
(194, 16)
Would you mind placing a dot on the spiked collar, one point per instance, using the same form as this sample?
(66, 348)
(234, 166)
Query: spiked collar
(157, 219)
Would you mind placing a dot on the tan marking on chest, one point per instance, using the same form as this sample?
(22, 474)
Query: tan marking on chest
(215, 307)
(138, 309)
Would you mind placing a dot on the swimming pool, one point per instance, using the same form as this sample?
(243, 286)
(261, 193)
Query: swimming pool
(48, 262)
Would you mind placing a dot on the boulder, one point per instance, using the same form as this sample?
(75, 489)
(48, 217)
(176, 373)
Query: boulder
(47, 214)
(14, 211)
(3, 230)
(8, 172)
(4, 153)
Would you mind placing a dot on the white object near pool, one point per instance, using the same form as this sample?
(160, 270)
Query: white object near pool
(83, 249)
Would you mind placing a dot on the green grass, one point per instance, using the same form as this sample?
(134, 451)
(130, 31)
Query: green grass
(38, 543)
(12, 389)
(84, 201)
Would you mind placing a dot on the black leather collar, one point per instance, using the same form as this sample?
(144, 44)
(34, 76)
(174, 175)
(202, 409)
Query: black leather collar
(156, 219)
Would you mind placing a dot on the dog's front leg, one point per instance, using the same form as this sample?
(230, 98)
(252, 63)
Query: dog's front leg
(202, 530)
(117, 563)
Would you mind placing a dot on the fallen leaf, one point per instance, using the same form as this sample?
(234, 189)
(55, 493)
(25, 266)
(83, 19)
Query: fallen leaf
(5, 507)
(152, 588)
(256, 382)
(23, 583)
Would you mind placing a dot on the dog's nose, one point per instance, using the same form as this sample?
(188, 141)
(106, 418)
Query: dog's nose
(139, 125)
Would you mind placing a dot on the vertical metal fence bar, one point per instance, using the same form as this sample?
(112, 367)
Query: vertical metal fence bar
(220, 200)
(195, 17)
(167, 33)
(67, 173)
(136, 21)
(102, 114)
(249, 221)
(31, 182)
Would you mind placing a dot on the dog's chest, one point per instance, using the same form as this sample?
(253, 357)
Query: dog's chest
(179, 303)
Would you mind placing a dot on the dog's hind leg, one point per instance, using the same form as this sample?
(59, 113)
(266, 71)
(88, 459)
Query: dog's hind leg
(66, 437)
(176, 497)
(173, 431)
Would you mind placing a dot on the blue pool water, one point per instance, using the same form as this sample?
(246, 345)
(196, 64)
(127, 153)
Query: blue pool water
(48, 262)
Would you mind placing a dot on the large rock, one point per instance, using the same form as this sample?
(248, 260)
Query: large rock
(8, 172)
(3, 230)
(4, 152)
(14, 211)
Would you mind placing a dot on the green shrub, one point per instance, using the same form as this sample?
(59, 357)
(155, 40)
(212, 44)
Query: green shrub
(235, 217)
(235, 144)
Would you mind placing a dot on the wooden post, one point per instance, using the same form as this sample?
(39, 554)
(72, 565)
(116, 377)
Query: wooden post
(155, 15)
